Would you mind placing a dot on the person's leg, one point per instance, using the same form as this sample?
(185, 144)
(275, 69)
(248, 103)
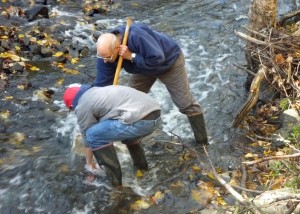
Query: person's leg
(90, 164)
(99, 136)
(176, 82)
(137, 153)
(108, 160)
(141, 82)
(108, 131)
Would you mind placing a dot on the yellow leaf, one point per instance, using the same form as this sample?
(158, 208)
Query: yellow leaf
(139, 205)
(60, 81)
(249, 155)
(221, 201)
(70, 71)
(3, 37)
(46, 36)
(21, 36)
(60, 65)
(21, 87)
(36, 148)
(15, 58)
(269, 152)
(5, 114)
(33, 39)
(139, 173)
(22, 63)
(33, 68)
(159, 195)
(17, 138)
(8, 98)
(210, 175)
(17, 48)
(40, 42)
(196, 168)
(23, 59)
(74, 60)
(58, 54)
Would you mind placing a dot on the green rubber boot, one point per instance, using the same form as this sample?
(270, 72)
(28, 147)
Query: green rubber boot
(108, 160)
(137, 154)
(198, 126)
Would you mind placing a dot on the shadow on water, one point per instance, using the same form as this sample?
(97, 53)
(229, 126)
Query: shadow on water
(39, 168)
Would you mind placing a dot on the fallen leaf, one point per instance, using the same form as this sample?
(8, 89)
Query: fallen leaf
(17, 138)
(139, 173)
(221, 201)
(139, 205)
(58, 54)
(5, 114)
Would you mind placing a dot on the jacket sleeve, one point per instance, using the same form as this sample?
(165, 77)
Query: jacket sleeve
(105, 73)
(149, 53)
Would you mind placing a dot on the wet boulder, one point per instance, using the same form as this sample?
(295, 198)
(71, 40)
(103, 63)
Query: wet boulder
(36, 12)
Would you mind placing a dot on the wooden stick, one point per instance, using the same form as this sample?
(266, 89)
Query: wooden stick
(279, 157)
(120, 61)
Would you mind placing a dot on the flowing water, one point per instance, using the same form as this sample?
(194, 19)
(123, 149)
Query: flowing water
(45, 174)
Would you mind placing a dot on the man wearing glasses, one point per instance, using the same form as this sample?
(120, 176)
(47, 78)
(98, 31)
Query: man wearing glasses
(150, 55)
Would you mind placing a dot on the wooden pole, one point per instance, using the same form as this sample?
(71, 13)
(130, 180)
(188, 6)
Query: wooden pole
(120, 61)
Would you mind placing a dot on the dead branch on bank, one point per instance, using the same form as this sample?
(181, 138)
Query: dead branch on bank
(278, 55)
(279, 157)
(252, 98)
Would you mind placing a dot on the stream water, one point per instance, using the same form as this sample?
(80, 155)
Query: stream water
(45, 174)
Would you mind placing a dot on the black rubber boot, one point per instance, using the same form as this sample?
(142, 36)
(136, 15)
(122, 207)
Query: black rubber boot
(137, 154)
(108, 160)
(198, 126)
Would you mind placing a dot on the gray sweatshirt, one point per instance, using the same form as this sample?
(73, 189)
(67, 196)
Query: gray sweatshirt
(118, 102)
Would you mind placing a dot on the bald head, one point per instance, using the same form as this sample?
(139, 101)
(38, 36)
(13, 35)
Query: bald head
(106, 44)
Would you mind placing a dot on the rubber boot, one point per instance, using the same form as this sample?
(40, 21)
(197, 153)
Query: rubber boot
(108, 160)
(198, 126)
(137, 154)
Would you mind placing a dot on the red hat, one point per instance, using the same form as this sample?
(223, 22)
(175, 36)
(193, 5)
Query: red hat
(70, 94)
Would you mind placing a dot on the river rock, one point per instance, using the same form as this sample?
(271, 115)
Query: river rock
(46, 52)
(5, 44)
(37, 11)
(290, 121)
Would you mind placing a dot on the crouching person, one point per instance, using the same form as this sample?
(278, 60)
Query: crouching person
(113, 113)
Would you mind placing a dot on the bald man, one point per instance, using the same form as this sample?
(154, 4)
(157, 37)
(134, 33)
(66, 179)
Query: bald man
(148, 56)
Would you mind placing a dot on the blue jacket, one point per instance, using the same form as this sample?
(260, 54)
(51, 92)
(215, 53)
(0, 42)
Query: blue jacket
(155, 54)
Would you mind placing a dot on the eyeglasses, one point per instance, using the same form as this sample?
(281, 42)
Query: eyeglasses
(104, 58)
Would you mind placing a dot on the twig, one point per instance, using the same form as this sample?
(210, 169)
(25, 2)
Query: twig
(279, 157)
(248, 190)
(188, 147)
(258, 42)
(255, 32)
(245, 69)
(243, 181)
(234, 193)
